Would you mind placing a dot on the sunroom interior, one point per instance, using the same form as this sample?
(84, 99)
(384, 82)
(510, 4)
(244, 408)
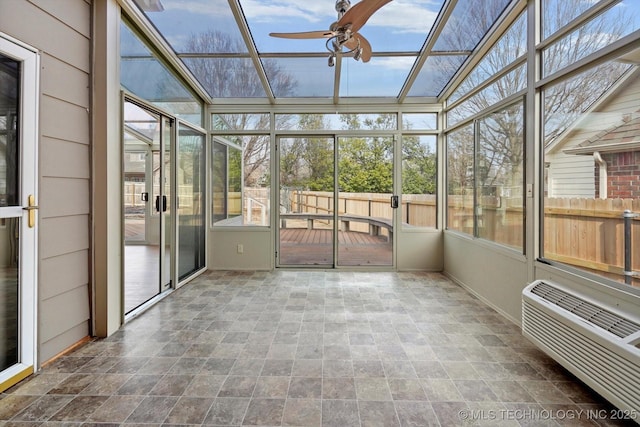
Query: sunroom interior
(485, 154)
(492, 141)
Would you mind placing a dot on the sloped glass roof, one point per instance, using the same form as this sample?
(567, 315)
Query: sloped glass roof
(417, 46)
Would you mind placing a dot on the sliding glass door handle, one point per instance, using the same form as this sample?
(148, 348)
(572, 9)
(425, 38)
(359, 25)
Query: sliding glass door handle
(394, 202)
(164, 203)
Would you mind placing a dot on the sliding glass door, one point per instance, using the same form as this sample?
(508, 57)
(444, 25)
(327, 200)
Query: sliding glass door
(336, 201)
(306, 234)
(148, 146)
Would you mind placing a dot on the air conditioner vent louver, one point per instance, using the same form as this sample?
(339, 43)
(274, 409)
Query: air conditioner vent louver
(602, 318)
(587, 338)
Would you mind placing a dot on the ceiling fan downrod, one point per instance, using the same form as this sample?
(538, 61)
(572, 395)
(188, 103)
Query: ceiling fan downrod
(342, 6)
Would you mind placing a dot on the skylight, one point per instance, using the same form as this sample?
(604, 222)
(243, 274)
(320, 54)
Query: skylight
(226, 46)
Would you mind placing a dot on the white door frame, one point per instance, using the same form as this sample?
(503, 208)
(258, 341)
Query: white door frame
(28, 250)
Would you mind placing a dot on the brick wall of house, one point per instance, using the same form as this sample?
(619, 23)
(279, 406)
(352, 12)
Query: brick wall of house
(624, 175)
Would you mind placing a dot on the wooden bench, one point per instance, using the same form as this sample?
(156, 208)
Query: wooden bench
(375, 224)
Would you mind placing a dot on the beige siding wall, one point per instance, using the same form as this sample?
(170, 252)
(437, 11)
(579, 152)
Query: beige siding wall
(60, 29)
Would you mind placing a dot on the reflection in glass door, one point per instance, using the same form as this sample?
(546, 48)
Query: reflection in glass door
(147, 139)
(335, 216)
(190, 200)
(306, 211)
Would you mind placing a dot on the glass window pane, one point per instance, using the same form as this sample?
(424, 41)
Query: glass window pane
(504, 87)
(565, 102)
(469, 22)
(382, 76)
(435, 74)
(512, 45)
(290, 77)
(219, 200)
(419, 121)
(460, 180)
(604, 29)
(227, 77)
(592, 169)
(9, 295)
(181, 23)
(382, 121)
(241, 171)
(142, 74)
(500, 177)
(10, 71)
(419, 181)
(244, 121)
(558, 13)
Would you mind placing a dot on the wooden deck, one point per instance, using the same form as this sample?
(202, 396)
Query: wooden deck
(301, 246)
(298, 247)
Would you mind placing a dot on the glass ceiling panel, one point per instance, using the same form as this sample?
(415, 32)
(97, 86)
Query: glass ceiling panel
(435, 74)
(382, 76)
(293, 77)
(469, 22)
(142, 74)
(227, 77)
(198, 26)
(206, 37)
(399, 26)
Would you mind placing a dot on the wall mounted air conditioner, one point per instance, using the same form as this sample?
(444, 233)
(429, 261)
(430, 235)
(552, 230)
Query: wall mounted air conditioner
(598, 346)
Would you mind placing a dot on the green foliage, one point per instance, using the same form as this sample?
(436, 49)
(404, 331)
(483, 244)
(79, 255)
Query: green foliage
(365, 165)
(419, 167)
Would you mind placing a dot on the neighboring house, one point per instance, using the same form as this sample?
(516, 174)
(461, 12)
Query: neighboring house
(571, 176)
(617, 154)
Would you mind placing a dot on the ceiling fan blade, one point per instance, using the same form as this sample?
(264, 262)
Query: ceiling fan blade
(352, 43)
(358, 14)
(305, 35)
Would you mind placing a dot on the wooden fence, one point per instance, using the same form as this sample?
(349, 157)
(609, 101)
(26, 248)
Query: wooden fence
(587, 233)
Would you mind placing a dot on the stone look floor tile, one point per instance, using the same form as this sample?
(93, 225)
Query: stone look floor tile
(338, 388)
(378, 414)
(302, 348)
(264, 412)
(340, 413)
(372, 389)
(302, 412)
(116, 409)
(227, 411)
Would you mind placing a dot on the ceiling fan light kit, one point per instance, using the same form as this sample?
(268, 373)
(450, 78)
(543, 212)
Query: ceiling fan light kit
(344, 32)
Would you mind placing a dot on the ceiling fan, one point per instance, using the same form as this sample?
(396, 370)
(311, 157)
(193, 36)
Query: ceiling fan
(344, 32)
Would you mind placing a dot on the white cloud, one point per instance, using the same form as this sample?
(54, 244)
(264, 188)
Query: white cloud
(277, 11)
(400, 16)
(407, 16)
(402, 63)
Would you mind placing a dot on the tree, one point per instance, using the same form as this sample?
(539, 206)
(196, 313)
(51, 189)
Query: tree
(419, 166)
(237, 77)
(501, 136)
(366, 163)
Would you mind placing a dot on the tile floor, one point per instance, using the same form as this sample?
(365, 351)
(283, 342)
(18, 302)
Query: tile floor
(309, 348)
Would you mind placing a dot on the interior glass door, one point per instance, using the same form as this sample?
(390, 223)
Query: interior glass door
(306, 220)
(147, 151)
